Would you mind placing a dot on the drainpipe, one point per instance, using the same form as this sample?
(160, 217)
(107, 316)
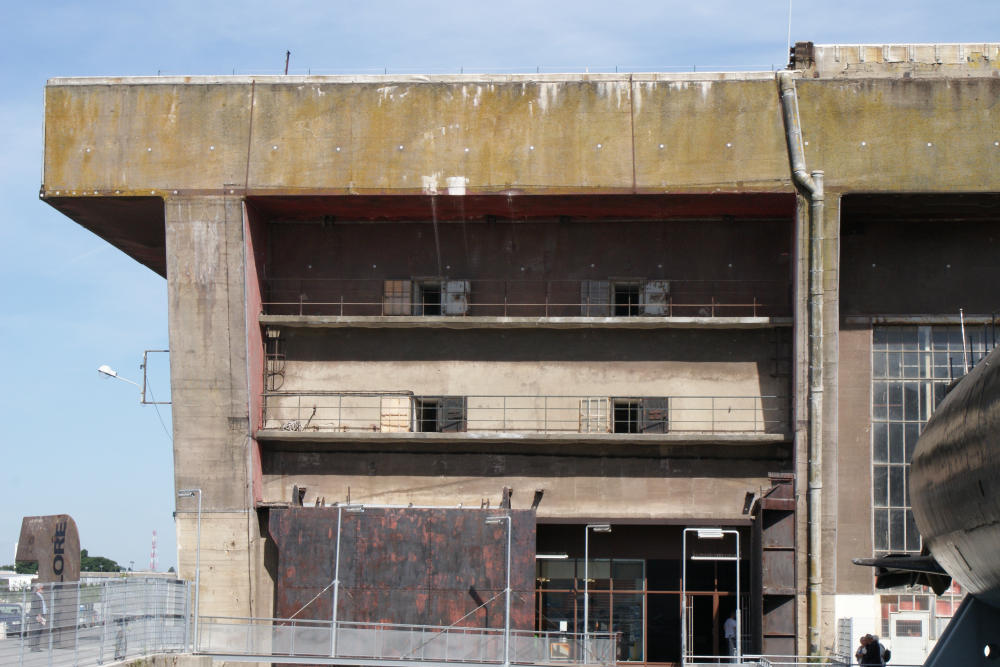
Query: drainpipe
(810, 186)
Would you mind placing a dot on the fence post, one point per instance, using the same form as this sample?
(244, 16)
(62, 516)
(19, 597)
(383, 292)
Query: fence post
(76, 632)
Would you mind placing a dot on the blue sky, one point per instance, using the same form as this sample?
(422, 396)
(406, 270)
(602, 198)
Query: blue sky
(76, 443)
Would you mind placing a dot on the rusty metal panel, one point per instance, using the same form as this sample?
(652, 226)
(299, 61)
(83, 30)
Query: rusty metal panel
(778, 572)
(778, 529)
(404, 565)
(779, 616)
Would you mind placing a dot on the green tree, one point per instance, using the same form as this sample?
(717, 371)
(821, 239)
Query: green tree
(90, 563)
(23, 567)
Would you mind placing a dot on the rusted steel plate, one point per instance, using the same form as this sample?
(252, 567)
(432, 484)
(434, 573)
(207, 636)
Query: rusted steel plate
(404, 565)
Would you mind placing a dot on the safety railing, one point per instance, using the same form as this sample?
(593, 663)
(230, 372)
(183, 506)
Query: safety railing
(527, 298)
(71, 624)
(408, 413)
(388, 643)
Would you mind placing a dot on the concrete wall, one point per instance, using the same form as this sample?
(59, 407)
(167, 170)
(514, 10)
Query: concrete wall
(548, 133)
(626, 483)
(208, 371)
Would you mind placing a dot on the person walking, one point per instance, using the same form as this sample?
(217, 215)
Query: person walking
(37, 618)
(729, 630)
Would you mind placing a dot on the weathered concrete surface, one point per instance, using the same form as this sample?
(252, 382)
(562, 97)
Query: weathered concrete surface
(901, 60)
(524, 134)
(209, 392)
(710, 485)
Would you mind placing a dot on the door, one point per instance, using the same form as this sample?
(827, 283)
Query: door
(908, 633)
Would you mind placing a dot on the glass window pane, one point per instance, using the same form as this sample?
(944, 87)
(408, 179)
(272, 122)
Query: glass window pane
(941, 365)
(880, 442)
(880, 496)
(911, 404)
(911, 368)
(879, 365)
(557, 574)
(894, 365)
(895, 401)
(896, 493)
(599, 573)
(627, 574)
(881, 532)
(557, 608)
(896, 443)
(924, 338)
(880, 338)
(627, 620)
(880, 399)
(896, 534)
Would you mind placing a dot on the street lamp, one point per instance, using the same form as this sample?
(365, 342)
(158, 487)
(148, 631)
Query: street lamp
(709, 534)
(357, 509)
(188, 493)
(106, 370)
(597, 528)
(492, 521)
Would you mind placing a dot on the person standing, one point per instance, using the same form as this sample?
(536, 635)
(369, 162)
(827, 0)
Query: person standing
(729, 630)
(37, 618)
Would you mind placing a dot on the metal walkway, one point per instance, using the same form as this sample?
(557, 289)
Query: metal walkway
(386, 645)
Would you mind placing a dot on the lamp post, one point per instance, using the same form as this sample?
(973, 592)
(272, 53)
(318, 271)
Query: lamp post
(597, 528)
(357, 509)
(493, 520)
(188, 493)
(709, 534)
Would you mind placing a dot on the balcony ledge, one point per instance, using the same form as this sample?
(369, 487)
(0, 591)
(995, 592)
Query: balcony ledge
(480, 322)
(567, 439)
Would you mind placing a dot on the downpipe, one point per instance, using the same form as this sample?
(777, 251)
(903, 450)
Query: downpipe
(811, 187)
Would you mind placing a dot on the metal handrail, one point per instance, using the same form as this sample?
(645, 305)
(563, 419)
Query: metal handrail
(348, 297)
(400, 412)
(404, 644)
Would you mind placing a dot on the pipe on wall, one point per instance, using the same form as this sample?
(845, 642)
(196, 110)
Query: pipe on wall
(811, 187)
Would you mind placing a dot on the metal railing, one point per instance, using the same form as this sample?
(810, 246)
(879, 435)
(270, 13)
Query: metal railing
(70, 624)
(407, 413)
(527, 298)
(360, 643)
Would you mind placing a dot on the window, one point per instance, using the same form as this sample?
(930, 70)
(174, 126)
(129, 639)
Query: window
(624, 298)
(911, 369)
(640, 415)
(427, 298)
(431, 296)
(439, 414)
(627, 299)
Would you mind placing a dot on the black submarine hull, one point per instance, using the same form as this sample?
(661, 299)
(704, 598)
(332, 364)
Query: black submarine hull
(955, 482)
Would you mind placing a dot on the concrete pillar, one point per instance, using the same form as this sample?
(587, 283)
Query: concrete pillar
(208, 372)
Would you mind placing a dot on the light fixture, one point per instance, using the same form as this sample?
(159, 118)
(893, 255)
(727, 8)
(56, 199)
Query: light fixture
(551, 556)
(600, 527)
(710, 533)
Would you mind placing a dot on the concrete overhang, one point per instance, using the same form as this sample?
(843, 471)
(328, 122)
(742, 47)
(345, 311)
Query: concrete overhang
(113, 146)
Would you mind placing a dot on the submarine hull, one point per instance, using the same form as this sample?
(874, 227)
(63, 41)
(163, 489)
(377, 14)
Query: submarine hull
(955, 482)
